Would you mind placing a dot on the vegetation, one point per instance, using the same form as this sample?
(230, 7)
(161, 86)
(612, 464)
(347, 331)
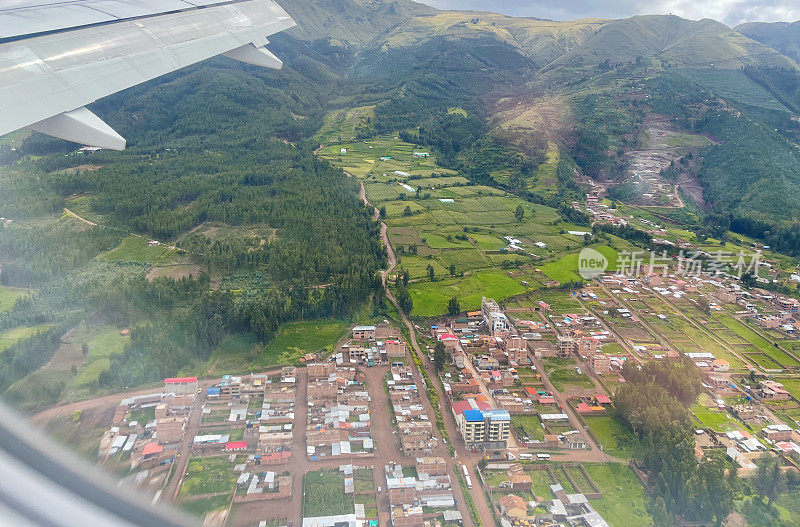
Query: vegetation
(323, 494)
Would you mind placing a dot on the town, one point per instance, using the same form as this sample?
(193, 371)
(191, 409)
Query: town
(507, 409)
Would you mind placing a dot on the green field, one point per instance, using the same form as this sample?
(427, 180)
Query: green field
(8, 296)
(9, 337)
(624, 497)
(566, 269)
(430, 298)
(615, 439)
(295, 339)
(439, 219)
(323, 494)
(208, 475)
(757, 340)
(102, 343)
(137, 249)
(530, 424)
(562, 374)
(708, 416)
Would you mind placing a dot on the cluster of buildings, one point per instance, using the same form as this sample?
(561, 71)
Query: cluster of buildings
(481, 426)
(426, 486)
(371, 345)
(153, 443)
(338, 412)
(564, 509)
(414, 426)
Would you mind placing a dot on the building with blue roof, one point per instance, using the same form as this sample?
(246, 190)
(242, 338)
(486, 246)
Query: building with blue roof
(487, 429)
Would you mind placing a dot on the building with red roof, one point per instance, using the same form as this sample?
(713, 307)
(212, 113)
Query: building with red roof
(151, 449)
(235, 445)
(602, 399)
(181, 385)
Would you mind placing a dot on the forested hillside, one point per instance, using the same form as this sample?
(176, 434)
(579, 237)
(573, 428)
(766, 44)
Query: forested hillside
(217, 145)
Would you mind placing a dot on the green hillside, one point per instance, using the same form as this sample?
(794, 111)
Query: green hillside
(349, 22)
(671, 40)
(781, 36)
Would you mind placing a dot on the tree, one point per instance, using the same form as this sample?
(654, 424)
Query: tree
(382, 211)
(404, 299)
(519, 213)
(73, 370)
(405, 278)
(431, 273)
(439, 356)
(453, 307)
(452, 269)
(748, 280)
(85, 349)
(770, 480)
(407, 211)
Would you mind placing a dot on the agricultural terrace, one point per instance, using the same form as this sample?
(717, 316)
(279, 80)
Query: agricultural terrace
(467, 233)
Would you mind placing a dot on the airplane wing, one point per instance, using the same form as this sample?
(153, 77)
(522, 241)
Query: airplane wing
(57, 56)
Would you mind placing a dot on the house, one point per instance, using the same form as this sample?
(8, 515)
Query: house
(779, 432)
(170, 429)
(720, 365)
(485, 428)
(518, 478)
(513, 506)
(364, 333)
(181, 385)
(448, 339)
(600, 363)
(395, 348)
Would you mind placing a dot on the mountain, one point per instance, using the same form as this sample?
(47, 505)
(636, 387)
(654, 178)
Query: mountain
(675, 41)
(349, 22)
(541, 41)
(781, 36)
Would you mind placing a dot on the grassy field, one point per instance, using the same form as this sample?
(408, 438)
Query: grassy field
(615, 438)
(566, 269)
(623, 503)
(430, 298)
(439, 219)
(8, 296)
(102, 343)
(9, 337)
(323, 494)
(137, 249)
(757, 340)
(295, 339)
(709, 417)
(530, 424)
(208, 475)
(562, 374)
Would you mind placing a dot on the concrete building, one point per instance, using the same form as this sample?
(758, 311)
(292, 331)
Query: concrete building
(181, 385)
(364, 333)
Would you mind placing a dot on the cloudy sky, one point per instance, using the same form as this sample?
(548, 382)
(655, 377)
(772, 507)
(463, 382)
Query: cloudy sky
(731, 12)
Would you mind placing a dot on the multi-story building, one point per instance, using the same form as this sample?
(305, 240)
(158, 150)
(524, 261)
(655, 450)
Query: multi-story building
(600, 363)
(364, 333)
(494, 318)
(395, 348)
(565, 345)
(484, 428)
